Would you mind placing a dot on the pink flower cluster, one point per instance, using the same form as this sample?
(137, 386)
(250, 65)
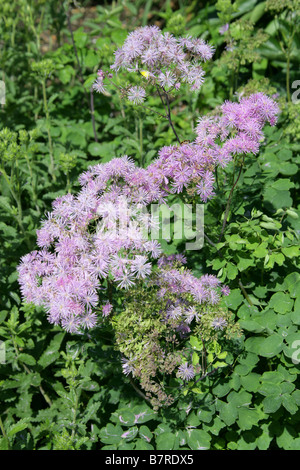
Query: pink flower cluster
(166, 61)
(86, 238)
(238, 126)
(100, 232)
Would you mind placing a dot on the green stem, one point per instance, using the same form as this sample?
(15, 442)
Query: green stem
(90, 101)
(68, 183)
(73, 425)
(16, 197)
(121, 105)
(47, 399)
(138, 391)
(245, 293)
(167, 110)
(288, 76)
(92, 110)
(229, 202)
(34, 194)
(46, 109)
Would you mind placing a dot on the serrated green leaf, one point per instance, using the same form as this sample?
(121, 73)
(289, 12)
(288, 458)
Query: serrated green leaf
(51, 354)
(27, 359)
(15, 428)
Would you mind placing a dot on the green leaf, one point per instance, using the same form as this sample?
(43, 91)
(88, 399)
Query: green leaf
(291, 251)
(263, 441)
(282, 184)
(253, 343)
(193, 420)
(27, 359)
(248, 418)
(145, 433)
(286, 438)
(292, 282)
(162, 428)
(15, 428)
(130, 433)
(126, 446)
(51, 354)
(80, 37)
(205, 415)
(165, 441)
(278, 199)
(91, 59)
(195, 343)
(125, 417)
(4, 443)
(220, 364)
(66, 74)
(234, 299)
(231, 271)
(269, 388)
(295, 316)
(141, 444)
(261, 250)
(271, 403)
(143, 413)
(251, 325)
(244, 263)
(289, 404)
(111, 434)
(288, 169)
(281, 302)
(241, 398)
(105, 150)
(271, 346)
(119, 36)
(90, 412)
(198, 439)
(228, 413)
(220, 390)
(250, 382)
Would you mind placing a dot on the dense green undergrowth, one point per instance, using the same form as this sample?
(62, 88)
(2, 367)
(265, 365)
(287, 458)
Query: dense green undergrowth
(67, 391)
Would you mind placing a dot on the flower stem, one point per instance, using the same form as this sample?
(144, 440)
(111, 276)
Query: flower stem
(229, 202)
(167, 110)
(46, 109)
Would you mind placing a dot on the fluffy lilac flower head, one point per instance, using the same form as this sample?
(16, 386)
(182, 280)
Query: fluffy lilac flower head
(168, 60)
(219, 323)
(136, 94)
(224, 28)
(236, 130)
(186, 371)
(106, 309)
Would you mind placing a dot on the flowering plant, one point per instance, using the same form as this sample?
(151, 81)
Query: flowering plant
(93, 246)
